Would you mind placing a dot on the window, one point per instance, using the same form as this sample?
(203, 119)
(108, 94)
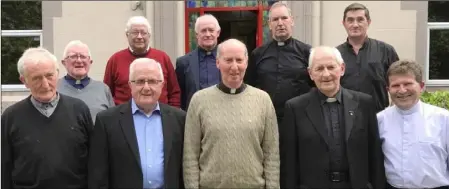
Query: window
(437, 69)
(21, 26)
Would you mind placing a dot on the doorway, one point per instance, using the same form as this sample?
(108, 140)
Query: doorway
(239, 24)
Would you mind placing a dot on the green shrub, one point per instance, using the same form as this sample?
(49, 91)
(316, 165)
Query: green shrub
(437, 98)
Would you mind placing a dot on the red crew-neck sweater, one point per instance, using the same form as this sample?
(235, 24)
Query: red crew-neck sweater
(116, 76)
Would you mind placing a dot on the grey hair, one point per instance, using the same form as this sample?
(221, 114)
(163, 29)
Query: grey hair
(138, 20)
(206, 17)
(334, 51)
(75, 43)
(279, 4)
(231, 42)
(36, 55)
(147, 61)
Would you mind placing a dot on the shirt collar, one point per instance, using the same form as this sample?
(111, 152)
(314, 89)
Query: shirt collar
(135, 109)
(139, 55)
(415, 108)
(74, 82)
(228, 90)
(365, 43)
(52, 103)
(324, 98)
(203, 53)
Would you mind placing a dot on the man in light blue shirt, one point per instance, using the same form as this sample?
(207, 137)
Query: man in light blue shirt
(138, 144)
(414, 134)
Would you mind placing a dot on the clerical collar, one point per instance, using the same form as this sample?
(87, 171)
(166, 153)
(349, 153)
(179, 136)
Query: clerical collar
(283, 43)
(325, 99)
(228, 90)
(139, 54)
(415, 108)
(77, 83)
(202, 52)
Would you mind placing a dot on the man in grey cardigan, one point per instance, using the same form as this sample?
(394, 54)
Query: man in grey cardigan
(77, 60)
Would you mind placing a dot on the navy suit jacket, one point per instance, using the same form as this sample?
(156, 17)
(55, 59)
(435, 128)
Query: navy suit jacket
(187, 71)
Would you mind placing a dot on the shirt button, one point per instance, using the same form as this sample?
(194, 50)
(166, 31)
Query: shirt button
(149, 182)
(149, 150)
(149, 166)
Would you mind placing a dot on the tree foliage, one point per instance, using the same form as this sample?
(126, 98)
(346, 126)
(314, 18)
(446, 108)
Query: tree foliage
(18, 15)
(437, 98)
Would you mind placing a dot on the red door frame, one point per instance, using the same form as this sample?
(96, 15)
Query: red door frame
(259, 8)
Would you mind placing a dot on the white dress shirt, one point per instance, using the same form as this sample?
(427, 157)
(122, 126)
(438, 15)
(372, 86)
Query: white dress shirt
(415, 145)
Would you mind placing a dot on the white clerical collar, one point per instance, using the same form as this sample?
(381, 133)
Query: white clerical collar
(415, 108)
(281, 43)
(331, 100)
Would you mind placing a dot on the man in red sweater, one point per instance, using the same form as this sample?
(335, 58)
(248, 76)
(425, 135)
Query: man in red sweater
(117, 69)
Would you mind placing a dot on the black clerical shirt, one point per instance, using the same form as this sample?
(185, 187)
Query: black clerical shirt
(45, 152)
(367, 71)
(280, 69)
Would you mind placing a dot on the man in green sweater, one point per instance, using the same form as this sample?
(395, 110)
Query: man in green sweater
(231, 132)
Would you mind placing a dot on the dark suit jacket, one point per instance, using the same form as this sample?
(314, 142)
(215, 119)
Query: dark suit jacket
(304, 149)
(114, 160)
(187, 72)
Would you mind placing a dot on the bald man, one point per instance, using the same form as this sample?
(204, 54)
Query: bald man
(138, 144)
(330, 130)
(231, 136)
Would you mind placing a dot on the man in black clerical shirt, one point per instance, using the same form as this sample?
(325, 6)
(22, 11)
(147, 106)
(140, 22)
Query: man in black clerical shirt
(329, 137)
(279, 67)
(197, 70)
(367, 60)
(45, 136)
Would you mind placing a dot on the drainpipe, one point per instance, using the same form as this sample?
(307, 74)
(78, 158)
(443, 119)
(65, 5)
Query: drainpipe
(316, 23)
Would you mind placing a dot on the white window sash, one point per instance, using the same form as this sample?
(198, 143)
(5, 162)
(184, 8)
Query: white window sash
(20, 33)
(434, 26)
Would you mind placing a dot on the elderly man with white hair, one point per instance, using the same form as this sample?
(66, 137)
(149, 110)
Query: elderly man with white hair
(77, 61)
(329, 137)
(196, 70)
(231, 134)
(138, 33)
(138, 144)
(44, 136)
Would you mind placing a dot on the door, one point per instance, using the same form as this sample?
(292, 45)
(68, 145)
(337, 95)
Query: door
(243, 20)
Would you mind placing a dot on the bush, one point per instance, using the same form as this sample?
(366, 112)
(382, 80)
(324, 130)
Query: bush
(437, 98)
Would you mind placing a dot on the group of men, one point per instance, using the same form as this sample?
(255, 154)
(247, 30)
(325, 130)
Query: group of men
(283, 116)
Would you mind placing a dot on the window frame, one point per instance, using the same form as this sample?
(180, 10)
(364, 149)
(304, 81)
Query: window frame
(434, 82)
(20, 33)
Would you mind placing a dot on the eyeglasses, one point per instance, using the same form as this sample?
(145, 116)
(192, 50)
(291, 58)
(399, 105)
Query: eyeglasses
(136, 33)
(76, 56)
(141, 82)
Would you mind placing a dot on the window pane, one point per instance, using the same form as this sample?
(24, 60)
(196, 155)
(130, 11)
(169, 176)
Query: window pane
(438, 55)
(12, 49)
(193, 4)
(192, 35)
(267, 3)
(438, 11)
(21, 15)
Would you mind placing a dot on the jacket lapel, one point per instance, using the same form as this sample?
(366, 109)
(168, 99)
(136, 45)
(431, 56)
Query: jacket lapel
(127, 124)
(316, 117)
(195, 67)
(167, 124)
(349, 107)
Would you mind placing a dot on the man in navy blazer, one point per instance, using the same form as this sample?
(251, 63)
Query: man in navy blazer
(197, 70)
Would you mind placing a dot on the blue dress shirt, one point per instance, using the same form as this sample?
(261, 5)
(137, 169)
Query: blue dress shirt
(151, 145)
(209, 73)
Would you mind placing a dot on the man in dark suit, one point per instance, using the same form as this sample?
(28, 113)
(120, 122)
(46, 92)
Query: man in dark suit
(138, 144)
(197, 70)
(329, 137)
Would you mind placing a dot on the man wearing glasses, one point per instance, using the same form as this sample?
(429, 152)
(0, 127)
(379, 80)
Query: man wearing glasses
(77, 60)
(138, 33)
(138, 144)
